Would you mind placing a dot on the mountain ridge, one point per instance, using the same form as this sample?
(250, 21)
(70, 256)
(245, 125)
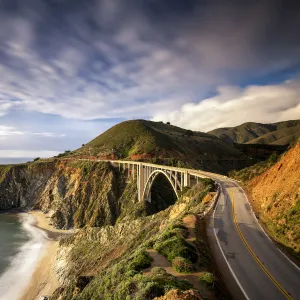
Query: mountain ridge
(280, 133)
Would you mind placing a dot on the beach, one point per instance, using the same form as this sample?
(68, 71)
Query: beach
(44, 281)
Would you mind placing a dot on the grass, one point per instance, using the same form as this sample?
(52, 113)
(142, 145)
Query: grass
(4, 169)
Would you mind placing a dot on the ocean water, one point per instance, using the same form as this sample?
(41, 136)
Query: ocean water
(21, 247)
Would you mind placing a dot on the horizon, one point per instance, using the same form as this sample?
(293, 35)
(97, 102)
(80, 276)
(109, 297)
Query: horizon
(70, 71)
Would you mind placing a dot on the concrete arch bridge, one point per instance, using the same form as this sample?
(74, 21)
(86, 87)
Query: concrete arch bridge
(146, 174)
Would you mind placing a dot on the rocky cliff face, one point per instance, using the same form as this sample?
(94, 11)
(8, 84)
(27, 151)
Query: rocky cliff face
(22, 185)
(78, 193)
(276, 194)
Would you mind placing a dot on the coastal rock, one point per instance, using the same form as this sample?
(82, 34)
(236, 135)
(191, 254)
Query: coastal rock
(78, 193)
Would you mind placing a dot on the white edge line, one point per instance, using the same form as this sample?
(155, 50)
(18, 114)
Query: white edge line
(266, 233)
(233, 274)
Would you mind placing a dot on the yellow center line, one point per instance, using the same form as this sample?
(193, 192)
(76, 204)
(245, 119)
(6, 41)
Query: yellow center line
(282, 290)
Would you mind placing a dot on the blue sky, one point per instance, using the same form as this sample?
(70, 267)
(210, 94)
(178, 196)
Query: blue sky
(71, 69)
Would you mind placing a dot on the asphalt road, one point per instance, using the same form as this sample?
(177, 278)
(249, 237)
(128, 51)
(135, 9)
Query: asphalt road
(251, 265)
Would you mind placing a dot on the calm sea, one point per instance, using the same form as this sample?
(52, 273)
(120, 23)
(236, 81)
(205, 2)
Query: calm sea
(21, 246)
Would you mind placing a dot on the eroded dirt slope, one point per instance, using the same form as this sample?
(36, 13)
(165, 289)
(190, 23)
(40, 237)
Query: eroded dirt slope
(276, 194)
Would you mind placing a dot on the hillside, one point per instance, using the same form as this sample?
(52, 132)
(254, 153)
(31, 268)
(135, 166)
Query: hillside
(275, 189)
(121, 248)
(281, 133)
(164, 143)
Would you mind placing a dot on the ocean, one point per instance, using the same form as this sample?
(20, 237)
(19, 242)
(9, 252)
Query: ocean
(21, 246)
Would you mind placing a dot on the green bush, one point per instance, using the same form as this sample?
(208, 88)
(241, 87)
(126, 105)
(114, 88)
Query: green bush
(176, 246)
(174, 230)
(141, 261)
(207, 278)
(182, 265)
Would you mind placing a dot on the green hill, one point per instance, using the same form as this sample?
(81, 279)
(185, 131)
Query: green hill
(159, 142)
(281, 133)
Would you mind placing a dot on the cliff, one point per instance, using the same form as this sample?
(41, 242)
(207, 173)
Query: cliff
(77, 193)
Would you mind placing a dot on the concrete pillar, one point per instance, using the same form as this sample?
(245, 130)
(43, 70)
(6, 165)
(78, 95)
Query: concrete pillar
(181, 180)
(176, 181)
(187, 179)
(141, 182)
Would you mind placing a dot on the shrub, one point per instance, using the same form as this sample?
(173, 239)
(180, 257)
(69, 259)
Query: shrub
(207, 278)
(273, 158)
(182, 265)
(36, 159)
(141, 261)
(176, 246)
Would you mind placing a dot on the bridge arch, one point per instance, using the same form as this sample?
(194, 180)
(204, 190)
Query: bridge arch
(147, 190)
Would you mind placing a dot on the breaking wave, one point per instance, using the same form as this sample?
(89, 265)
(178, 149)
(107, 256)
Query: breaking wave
(17, 277)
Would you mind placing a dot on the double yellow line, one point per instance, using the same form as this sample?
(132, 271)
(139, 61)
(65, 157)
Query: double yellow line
(281, 289)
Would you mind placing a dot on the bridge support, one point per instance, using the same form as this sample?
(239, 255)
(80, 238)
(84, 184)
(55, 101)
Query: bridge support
(141, 181)
(186, 179)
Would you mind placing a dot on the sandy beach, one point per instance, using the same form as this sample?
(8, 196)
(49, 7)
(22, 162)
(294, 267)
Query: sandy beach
(44, 281)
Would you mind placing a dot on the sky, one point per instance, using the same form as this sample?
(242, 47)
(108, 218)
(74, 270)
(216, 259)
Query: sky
(70, 69)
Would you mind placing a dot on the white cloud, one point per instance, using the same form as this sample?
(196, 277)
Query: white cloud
(27, 153)
(234, 106)
(6, 131)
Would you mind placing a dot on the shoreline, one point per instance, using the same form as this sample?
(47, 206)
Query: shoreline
(44, 281)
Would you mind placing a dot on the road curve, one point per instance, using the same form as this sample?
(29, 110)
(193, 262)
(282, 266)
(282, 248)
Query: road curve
(250, 263)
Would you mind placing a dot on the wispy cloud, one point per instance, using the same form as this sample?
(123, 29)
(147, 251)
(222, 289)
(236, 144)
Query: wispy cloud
(106, 59)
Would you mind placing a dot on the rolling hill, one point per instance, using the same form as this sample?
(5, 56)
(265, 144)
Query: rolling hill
(281, 133)
(165, 143)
